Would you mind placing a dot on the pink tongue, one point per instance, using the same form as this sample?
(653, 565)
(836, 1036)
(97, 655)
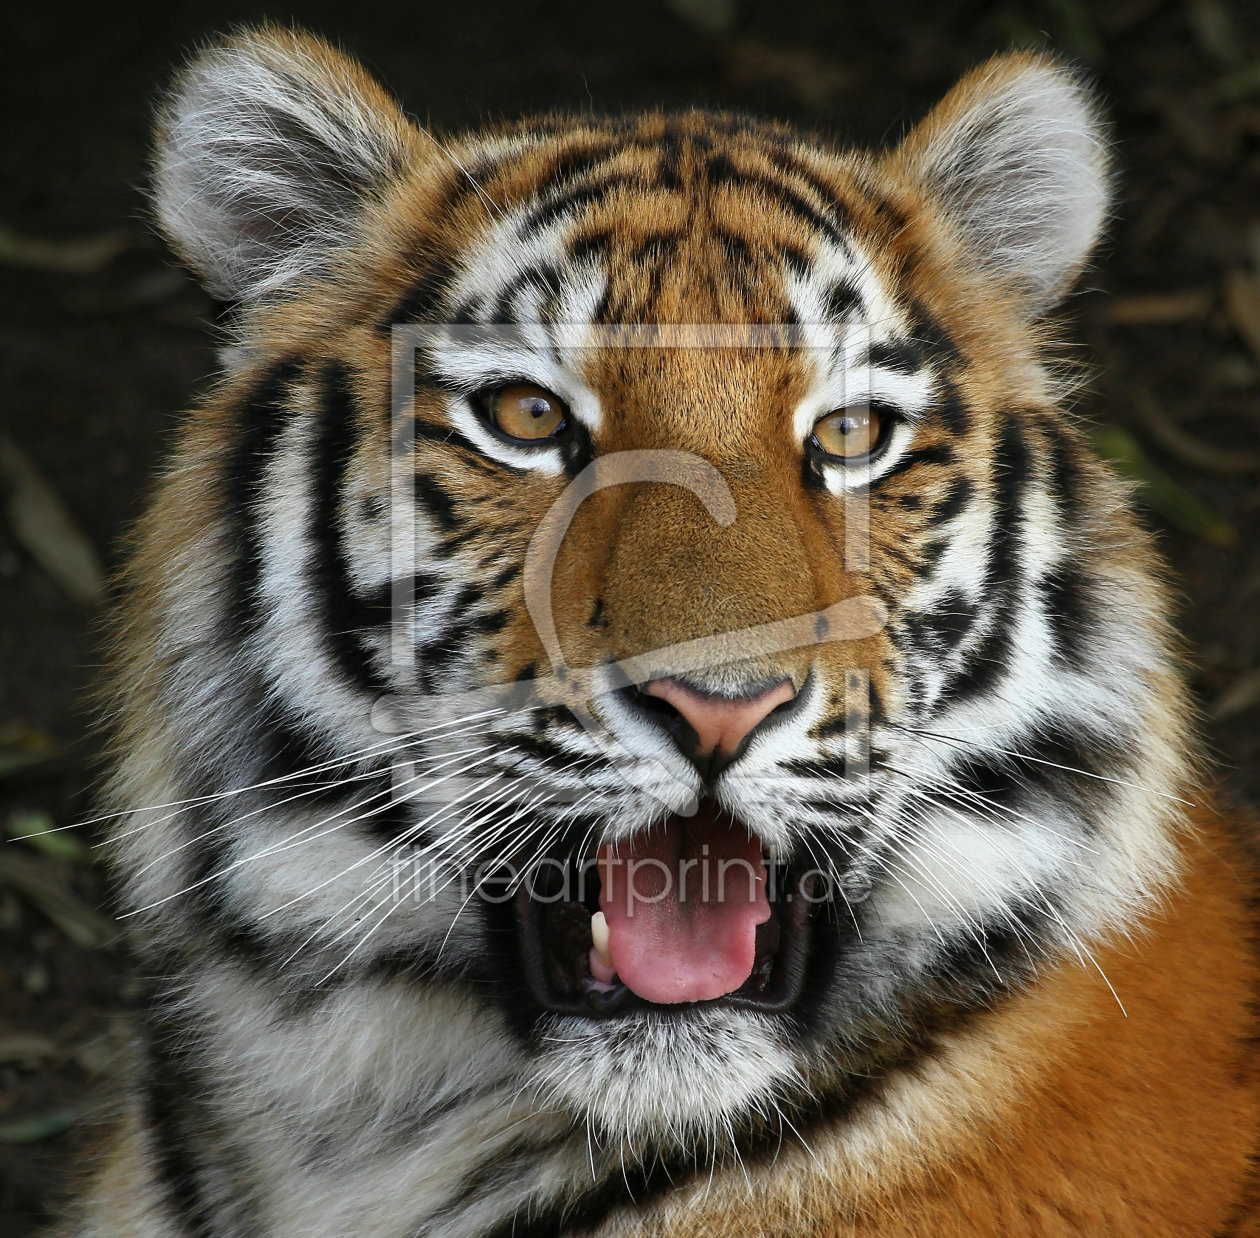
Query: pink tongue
(683, 902)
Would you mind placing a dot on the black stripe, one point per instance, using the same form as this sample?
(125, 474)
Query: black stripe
(956, 498)
(542, 750)
(423, 587)
(437, 655)
(937, 453)
(796, 260)
(544, 278)
(721, 171)
(575, 164)
(437, 504)
(784, 158)
(572, 199)
(172, 1088)
(592, 245)
(1012, 468)
(1010, 942)
(517, 1163)
(259, 423)
(342, 614)
(414, 963)
(1068, 765)
(900, 356)
(554, 718)
(449, 546)
(949, 407)
(1067, 597)
(505, 577)
(944, 627)
(1067, 592)
(842, 300)
(930, 555)
(988, 663)
(933, 340)
(1066, 480)
(842, 723)
(423, 301)
(657, 247)
(735, 249)
(448, 436)
(669, 169)
(638, 1186)
(279, 745)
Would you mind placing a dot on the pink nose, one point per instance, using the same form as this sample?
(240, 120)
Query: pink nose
(721, 723)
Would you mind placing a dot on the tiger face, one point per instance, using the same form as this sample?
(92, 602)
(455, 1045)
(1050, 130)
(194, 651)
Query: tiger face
(635, 613)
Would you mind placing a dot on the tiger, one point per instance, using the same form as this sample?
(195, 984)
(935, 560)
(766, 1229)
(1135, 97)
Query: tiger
(637, 711)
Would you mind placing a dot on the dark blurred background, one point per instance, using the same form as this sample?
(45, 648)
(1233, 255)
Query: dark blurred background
(103, 341)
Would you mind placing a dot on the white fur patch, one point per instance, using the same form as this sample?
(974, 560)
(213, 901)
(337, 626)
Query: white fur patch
(1016, 154)
(266, 153)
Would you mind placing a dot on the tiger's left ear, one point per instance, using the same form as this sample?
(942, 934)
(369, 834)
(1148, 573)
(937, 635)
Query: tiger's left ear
(1016, 156)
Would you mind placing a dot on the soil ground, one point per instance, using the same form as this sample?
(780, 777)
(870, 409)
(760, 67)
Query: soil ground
(103, 341)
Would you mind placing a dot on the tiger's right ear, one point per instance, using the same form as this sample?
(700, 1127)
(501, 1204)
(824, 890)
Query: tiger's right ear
(268, 147)
(1016, 158)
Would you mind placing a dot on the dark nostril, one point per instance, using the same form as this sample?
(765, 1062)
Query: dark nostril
(711, 729)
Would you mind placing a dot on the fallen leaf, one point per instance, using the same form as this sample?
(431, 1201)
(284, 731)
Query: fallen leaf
(44, 526)
(1159, 492)
(81, 256)
(1239, 84)
(43, 1126)
(20, 1048)
(103, 1055)
(44, 884)
(1214, 29)
(1154, 309)
(21, 747)
(1243, 694)
(38, 830)
(150, 288)
(712, 17)
(1185, 446)
(1242, 300)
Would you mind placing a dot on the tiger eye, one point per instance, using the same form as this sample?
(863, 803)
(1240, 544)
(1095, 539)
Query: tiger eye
(848, 433)
(526, 412)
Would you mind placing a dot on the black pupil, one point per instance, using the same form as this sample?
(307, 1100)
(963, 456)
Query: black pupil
(536, 406)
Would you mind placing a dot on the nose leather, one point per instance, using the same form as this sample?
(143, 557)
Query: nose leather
(721, 723)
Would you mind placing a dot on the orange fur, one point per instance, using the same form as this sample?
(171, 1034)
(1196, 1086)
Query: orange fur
(1112, 1095)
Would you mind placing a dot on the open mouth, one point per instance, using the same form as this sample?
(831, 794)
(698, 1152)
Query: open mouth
(689, 913)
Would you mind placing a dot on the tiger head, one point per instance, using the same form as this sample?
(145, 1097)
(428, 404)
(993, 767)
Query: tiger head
(635, 599)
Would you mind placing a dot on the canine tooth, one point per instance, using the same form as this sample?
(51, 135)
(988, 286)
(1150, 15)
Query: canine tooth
(599, 938)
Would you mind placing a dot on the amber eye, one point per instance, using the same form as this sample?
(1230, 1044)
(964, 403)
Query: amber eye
(524, 411)
(848, 433)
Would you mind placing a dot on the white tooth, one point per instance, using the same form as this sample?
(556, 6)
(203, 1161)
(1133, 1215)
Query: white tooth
(599, 938)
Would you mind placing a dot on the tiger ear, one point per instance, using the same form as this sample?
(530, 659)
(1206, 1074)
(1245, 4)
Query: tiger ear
(1016, 156)
(268, 147)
